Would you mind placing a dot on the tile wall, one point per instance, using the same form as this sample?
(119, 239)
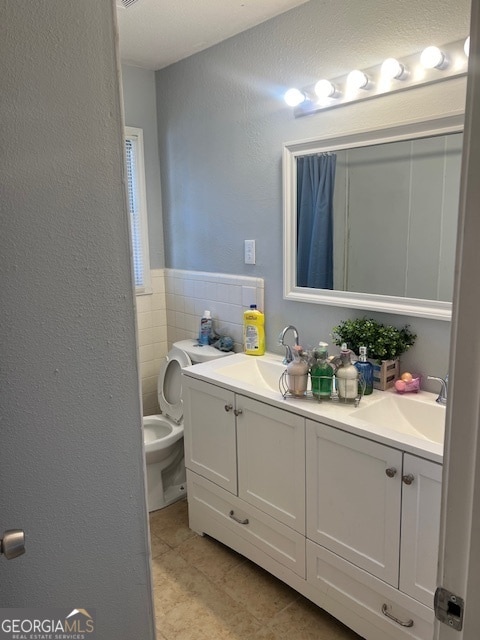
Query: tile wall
(152, 339)
(173, 311)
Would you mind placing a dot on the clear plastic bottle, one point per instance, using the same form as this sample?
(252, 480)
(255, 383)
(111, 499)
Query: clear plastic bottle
(321, 372)
(205, 328)
(297, 373)
(365, 369)
(347, 376)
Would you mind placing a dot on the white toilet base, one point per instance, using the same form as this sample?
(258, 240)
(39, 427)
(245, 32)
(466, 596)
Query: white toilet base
(166, 480)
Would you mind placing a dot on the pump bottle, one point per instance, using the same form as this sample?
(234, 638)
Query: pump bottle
(321, 372)
(365, 370)
(347, 376)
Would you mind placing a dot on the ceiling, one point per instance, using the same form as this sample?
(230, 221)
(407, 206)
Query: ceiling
(156, 33)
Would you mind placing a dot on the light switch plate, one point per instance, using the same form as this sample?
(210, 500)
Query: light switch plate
(249, 251)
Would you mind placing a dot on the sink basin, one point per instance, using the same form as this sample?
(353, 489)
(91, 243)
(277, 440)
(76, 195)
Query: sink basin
(259, 372)
(410, 415)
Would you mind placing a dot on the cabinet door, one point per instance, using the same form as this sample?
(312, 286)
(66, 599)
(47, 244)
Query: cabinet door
(421, 500)
(271, 461)
(353, 505)
(210, 444)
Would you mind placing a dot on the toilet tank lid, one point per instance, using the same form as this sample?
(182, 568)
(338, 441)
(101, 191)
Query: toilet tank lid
(200, 353)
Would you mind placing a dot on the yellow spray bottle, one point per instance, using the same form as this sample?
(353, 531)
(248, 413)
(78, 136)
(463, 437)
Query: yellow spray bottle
(254, 331)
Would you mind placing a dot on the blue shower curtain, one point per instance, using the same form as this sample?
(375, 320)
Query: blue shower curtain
(315, 184)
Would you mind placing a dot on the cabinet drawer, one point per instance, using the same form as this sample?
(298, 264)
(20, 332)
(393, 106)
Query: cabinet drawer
(365, 594)
(209, 505)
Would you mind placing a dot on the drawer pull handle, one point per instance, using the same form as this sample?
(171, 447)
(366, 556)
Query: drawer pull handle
(238, 412)
(237, 519)
(228, 407)
(386, 612)
(408, 479)
(391, 472)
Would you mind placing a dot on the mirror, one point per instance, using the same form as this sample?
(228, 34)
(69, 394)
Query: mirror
(394, 218)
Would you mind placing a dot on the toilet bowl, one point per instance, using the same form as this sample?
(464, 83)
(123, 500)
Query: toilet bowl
(163, 434)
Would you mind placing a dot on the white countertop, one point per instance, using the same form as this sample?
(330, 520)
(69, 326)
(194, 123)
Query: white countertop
(339, 415)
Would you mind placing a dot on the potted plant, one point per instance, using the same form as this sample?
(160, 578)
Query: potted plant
(385, 344)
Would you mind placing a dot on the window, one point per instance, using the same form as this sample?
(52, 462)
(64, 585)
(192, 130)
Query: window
(137, 206)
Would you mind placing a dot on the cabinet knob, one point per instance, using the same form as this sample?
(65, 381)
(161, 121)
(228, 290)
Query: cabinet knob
(408, 478)
(391, 472)
(12, 544)
(228, 407)
(238, 412)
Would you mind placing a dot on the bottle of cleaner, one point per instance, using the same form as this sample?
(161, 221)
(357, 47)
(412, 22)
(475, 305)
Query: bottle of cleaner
(347, 375)
(297, 373)
(321, 372)
(365, 369)
(205, 328)
(254, 331)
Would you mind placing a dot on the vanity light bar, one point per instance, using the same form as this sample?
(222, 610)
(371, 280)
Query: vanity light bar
(433, 64)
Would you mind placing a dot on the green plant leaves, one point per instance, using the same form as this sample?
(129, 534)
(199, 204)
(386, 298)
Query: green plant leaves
(383, 342)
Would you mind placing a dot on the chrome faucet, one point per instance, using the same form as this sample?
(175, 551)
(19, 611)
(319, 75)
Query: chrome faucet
(442, 396)
(288, 349)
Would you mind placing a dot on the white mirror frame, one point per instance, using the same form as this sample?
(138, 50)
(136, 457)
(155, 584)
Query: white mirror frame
(434, 309)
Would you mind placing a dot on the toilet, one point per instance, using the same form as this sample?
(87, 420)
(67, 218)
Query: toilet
(163, 433)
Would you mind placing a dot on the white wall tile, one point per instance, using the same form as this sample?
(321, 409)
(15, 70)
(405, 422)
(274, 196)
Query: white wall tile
(144, 320)
(159, 318)
(235, 294)
(143, 303)
(145, 337)
(158, 301)
(249, 296)
(224, 295)
(199, 289)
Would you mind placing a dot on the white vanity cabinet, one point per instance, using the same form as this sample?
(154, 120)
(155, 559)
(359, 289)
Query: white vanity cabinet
(245, 472)
(350, 522)
(421, 501)
(372, 508)
(211, 447)
(353, 506)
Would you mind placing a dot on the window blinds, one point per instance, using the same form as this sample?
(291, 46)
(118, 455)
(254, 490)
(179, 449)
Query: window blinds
(134, 205)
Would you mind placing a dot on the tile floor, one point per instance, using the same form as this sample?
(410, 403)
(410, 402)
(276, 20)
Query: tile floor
(205, 591)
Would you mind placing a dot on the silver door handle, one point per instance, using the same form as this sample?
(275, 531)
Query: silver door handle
(12, 544)
(237, 519)
(407, 623)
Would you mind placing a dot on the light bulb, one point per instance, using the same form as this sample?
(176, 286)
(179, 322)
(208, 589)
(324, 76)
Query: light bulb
(357, 79)
(294, 97)
(466, 46)
(393, 69)
(325, 89)
(432, 58)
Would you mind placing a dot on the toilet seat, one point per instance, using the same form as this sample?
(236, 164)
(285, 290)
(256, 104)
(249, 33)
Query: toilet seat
(169, 385)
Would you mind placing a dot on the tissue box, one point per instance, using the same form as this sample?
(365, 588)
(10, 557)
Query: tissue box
(385, 374)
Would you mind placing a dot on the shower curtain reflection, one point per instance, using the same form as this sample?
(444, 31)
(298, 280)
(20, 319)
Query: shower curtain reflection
(315, 186)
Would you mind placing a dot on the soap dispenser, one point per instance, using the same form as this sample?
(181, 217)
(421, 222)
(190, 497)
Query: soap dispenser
(321, 372)
(297, 373)
(347, 376)
(365, 369)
